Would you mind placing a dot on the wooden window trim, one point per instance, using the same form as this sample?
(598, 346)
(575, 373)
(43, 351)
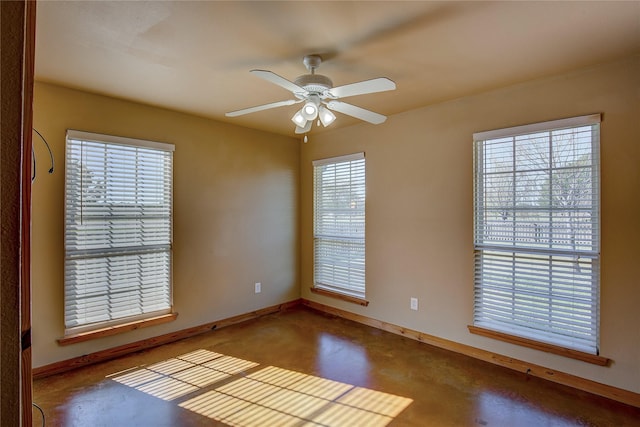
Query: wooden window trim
(116, 329)
(338, 295)
(537, 345)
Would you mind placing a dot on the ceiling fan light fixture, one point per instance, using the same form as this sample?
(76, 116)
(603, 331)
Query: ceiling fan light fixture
(326, 116)
(305, 129)
(299, 119)
(310, 110)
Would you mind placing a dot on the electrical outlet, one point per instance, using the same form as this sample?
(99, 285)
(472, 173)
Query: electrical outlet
(414, 303)
(258, 287)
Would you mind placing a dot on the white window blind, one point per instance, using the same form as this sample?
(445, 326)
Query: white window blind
(339, 224)
(118, 230)
(537, 246)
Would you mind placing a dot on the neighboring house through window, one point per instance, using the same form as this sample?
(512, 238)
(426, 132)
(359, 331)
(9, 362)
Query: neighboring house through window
(339, 225)
(537, 232)
(118, 230)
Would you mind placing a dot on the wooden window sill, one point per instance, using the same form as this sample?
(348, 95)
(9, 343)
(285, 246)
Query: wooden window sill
(537, 345)
(337, 295)
(116, 329)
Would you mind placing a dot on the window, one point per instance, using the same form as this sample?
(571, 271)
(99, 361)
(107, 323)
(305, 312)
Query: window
(537, 232)
(339, 222)
(118, 230)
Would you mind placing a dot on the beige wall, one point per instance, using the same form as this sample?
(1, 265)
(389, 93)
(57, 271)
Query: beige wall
(237, 208)
(235, 214)
(419, 210)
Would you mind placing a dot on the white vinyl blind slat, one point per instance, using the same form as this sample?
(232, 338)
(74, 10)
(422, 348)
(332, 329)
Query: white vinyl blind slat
(118, 229)
(339, 224)
(537, 228)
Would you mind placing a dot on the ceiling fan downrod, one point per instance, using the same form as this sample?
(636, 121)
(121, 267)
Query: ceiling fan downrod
(312, 62)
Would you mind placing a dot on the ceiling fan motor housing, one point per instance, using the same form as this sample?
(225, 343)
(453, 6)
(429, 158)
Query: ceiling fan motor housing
(314, 83)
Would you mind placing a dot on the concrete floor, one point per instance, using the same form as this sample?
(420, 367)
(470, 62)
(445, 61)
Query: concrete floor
(302, 368)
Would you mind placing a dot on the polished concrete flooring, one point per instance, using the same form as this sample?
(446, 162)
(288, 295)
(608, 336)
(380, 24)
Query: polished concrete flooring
(303, 368)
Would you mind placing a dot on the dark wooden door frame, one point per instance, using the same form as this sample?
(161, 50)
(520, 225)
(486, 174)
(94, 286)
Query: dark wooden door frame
(18, 51)
(25, 220)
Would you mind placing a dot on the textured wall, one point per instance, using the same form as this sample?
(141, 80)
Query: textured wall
(420, 210)
(235, 214)
(236, 211)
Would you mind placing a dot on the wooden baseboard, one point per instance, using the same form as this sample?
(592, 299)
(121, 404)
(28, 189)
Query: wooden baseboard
(112, 353)
(610, 392)
(614, 393)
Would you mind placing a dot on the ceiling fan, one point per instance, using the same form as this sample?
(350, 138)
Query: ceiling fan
(319, 96)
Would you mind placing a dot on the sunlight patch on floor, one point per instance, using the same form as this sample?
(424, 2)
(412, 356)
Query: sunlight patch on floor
(179, 376)
(239, 393)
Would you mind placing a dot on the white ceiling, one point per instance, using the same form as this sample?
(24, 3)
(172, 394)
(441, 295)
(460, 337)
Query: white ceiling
(195, 56)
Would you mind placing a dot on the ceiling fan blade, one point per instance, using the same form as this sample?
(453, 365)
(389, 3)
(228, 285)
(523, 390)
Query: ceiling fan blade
(306, 128)
(380, 84)
(261, 107)
(357, 112)
(280, 81)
